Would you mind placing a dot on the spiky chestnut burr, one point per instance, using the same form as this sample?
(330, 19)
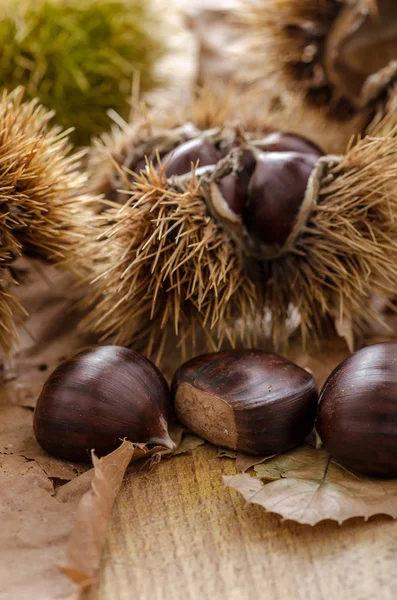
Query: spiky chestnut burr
(323, 68)
(206, 252)
(79, 58)
(41, 198)
(153, 134)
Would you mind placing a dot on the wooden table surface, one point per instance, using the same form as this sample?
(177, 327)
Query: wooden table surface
(178, 533)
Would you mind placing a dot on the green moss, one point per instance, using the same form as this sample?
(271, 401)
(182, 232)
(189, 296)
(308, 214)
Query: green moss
(79, 56)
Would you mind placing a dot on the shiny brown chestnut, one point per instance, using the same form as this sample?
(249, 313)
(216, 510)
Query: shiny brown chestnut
(247, 400)
(98, 397)
(180, 160)
(275, 194)
(357, 412)
(281, 141)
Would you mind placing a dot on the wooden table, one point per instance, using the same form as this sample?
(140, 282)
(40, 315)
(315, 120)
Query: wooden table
(178, 534)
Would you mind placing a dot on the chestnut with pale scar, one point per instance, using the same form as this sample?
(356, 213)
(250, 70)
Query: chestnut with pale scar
(247, 400)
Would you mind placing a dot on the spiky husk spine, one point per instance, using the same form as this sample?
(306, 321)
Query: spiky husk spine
(150, 130)
(384, 121)
(283, 62)
(163, 261)
(169, 308)
(347, 248)
(41, 197)
(163, 265)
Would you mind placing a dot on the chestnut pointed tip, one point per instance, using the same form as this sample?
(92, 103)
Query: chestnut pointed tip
(164, 438)
(165, 441)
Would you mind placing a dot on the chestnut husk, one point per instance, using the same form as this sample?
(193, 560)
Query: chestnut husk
(43, 207)
(246, 400)
(190, 263)
(357, 411)
(323, 69)
(99, 397)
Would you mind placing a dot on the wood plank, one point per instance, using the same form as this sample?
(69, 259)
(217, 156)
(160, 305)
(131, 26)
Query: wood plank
(178, 534)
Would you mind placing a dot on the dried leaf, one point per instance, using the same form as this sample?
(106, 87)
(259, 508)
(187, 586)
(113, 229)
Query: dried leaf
(320, 361)
(189, 443)
(243, 461)
(307, 486)
(85, 545)
(50, 333)
(295, 461)
(225, 453)
(35, 527)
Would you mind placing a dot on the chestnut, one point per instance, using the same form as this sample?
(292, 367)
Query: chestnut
(281, 141)
(275, 194)
(247, 400)
(357, 412)
(98, 397)
(180, 160)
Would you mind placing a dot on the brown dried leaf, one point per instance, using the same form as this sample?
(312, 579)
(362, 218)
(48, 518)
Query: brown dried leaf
(296, 461)
(320, 361)
(84, 549)
(243, 461)
(188, 443)
(85, 545)
(35, 527)
(307, 486)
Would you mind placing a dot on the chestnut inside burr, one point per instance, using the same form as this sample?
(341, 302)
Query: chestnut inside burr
(197, 151)
(275, 193)
(344, 46)
(267, 188)
(360, 44)
(279, 141)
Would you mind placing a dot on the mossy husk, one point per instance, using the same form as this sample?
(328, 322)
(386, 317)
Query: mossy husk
(325, 68)
(79, 58)
(167, 273)
(43, 209)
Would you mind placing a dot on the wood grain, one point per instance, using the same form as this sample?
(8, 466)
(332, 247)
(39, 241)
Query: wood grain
(178, 534)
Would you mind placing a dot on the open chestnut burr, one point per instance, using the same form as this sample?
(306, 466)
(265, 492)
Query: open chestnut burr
(260, 222)
(326, 69)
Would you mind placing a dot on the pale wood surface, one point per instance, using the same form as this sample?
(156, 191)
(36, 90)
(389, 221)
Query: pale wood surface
(177, 533)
